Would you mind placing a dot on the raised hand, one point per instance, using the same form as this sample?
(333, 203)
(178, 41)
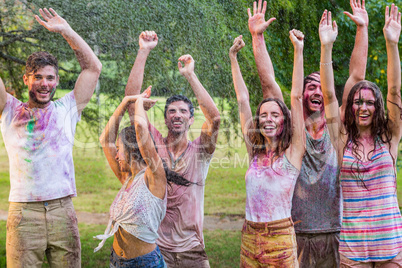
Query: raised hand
(328, 30)
(392, 27)
(148, 40)
(188, 67)
(148, 103)
(359, 16)
(238, 44)
(53, 22)
(257, 23)
(297, 38)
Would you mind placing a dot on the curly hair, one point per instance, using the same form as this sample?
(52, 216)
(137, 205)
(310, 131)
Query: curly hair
(379, 126)
(40, 59)
(258, 140)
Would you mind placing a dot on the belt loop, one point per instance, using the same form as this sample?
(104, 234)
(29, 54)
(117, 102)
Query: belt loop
(62, 202)
(266, 227)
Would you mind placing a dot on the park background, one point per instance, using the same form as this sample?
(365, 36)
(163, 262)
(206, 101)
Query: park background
(206, 30)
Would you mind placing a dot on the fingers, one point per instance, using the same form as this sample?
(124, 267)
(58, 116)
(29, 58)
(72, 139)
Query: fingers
(46, 14)
(186, 58)
(386, 14)
(254, 7)
(149, 36)
(249, 13)
(259, 6)
(264, 8)
(41, 22)
(270, 21)
(147, 92)
(329, 18)
(296, 33)
(348, 14)
(53, 12)
(335, 26)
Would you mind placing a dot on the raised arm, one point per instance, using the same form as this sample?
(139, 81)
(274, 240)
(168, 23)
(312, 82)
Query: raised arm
(109, 134)
(392, 30)
(155, 173)
(210, 128)
(358, 60)
(257, 25)
(328, 32)
(3, 96)
(298, 143)
(147, 41)
(243, 99)
(90, 64)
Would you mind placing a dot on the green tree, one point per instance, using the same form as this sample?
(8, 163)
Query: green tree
(204, 29)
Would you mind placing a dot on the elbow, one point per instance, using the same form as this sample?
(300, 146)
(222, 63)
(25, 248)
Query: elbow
(296, 96)
(216, 121)
(97, 67)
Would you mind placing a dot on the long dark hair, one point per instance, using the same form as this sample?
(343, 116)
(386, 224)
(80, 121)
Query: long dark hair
(379, 126)
(132, 153)
(258, 140)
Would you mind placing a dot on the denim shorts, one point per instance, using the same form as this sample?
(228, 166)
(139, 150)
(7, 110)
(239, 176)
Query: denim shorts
(152, 259)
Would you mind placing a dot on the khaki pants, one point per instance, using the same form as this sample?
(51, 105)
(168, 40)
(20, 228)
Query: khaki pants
(38, 228)
(268, 244)
(194, 258)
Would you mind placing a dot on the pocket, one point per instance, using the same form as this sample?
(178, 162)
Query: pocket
(14, 216)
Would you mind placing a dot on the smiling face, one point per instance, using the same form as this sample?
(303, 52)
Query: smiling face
(178, 118)
(363, 107)
(42, 86)
(313, 100)
(271, 120)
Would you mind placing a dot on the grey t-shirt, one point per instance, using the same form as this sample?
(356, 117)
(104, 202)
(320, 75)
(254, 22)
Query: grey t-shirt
(316, 204)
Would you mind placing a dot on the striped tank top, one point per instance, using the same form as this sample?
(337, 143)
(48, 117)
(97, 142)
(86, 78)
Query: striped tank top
(372, 223)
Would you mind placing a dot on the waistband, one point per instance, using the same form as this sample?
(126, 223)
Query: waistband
(54, 202)
(278, 224)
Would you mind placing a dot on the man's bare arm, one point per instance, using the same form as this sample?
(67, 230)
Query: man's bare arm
(90, 64)
(147, 41)
(209, 132)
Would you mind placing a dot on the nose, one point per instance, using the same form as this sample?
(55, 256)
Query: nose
(117, 157)
(44, 82)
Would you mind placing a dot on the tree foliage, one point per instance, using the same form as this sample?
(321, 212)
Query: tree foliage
(205, 29)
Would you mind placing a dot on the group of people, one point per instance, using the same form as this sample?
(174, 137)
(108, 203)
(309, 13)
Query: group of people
(321, 184)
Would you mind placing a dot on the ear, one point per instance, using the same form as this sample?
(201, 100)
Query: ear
(57, 80)
(191, 121)
(25, 77)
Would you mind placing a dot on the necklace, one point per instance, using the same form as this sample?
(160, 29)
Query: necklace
(174, 162)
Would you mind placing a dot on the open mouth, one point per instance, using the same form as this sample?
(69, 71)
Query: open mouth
(177, 123)
(316, 101)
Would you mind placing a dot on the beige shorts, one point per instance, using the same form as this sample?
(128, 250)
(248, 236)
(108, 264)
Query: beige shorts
(194, 258)
(38, 228)
(393, 263)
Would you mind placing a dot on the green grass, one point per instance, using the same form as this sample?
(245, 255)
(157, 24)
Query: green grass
(222, 247)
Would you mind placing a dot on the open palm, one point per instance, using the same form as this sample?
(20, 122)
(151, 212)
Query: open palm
(52, 21)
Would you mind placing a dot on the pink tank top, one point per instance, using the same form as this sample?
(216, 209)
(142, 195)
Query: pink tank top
(270, 190)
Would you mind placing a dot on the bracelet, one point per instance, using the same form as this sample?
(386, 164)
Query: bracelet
(327, 63)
